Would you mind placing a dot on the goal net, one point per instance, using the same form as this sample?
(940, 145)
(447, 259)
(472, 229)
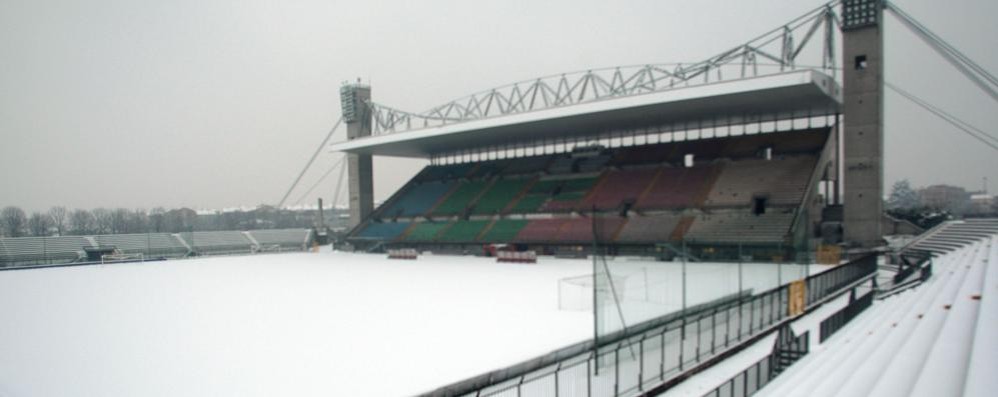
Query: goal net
(122, 257)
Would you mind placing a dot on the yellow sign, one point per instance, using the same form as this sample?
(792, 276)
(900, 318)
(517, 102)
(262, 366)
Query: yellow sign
(829, 254)
(797, 302)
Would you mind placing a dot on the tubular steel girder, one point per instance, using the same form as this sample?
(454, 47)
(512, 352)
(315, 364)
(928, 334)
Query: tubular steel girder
(776, 51)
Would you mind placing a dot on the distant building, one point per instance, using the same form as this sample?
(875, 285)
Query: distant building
(982, 203)
(945, 197)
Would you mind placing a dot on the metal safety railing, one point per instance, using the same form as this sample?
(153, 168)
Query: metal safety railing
(652, 355)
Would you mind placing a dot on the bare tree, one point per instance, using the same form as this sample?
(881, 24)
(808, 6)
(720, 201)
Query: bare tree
(157, 219)
(138, 221)
(81, 222)
(59, 216)
(119, 221)
(102, 220)
(39, 224)
(14, 221)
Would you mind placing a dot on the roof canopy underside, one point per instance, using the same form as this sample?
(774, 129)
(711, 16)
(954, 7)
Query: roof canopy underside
(782, 96)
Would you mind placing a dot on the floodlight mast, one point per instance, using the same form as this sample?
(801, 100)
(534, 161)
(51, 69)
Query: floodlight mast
(863, 106)
(354, 100)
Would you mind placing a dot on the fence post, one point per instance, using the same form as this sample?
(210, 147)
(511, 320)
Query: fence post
(556, 371)
(661, 364)
(682, 332)
(589, 376)
(740, 289)
(641, 361)
(713, 331)
(616, 370)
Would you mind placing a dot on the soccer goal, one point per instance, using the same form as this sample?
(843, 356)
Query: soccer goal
(122, 257)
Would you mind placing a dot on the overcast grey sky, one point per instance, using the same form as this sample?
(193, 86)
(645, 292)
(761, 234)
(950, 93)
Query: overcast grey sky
(211, 104)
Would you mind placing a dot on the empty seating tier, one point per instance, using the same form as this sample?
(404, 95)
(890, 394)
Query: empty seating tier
(504, 230)
(425, 231)
(459, 200)
(540, 230)
(780, 181)
(41, 250)
(284, 238)
(648, 229)
(500, 195)
(569, 194)
(530, 202)
(734, 227)
(679, 187)
(417, 200)
(463, 231)
(704, 189)
(620, 186)
(444, 172)
(383, 231)
(213, 243)
(151, 244)
(581, 230)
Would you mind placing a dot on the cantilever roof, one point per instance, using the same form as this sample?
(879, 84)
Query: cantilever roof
(781, 96)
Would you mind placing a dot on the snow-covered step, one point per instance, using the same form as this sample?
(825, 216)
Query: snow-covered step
(897, 378)
(981, 379)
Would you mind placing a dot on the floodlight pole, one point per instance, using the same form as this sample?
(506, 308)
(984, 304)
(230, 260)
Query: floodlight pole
(595, 292)
(354, 100)
(863, 105)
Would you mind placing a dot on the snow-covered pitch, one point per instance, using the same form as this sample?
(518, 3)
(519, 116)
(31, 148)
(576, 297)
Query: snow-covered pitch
(326, 324)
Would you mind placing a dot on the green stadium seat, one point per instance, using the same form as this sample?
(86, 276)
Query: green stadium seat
(463, 231)
(504, 230)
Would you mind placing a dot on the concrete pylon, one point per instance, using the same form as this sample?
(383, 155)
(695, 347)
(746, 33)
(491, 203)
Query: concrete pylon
(863, 109)
(357, 116)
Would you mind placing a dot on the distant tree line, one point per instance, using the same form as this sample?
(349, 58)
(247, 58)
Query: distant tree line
(62, 221)
(925, 209)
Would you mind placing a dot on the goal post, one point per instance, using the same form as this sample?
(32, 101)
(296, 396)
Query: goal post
(122, 257)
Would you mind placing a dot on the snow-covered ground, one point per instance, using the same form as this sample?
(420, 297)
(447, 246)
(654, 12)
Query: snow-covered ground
(293, 324)
(331, 324)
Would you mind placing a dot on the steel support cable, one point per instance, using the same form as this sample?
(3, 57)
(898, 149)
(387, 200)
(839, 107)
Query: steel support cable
(322, 178)
(310, 161)
(339, 183)
(942, 43)
(953, 120)
(965, 124)
(975, 73)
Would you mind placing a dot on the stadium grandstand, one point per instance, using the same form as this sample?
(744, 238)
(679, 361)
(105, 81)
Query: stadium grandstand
(751, 189)
(42, 251)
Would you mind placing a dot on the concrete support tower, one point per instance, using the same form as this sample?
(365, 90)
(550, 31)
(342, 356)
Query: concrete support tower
(357, 116)
(863, 137)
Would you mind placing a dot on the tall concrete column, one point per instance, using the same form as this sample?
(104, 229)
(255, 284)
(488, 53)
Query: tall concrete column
(357, 116)
(863, 137)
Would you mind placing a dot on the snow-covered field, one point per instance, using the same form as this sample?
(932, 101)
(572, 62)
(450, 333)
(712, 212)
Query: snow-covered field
(331, 324)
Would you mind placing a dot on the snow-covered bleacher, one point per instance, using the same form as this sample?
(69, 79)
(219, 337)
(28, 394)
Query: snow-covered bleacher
(30, 251)
(953, 235)
(150, 244)
(281, 239)
(934, 340)
(219, 243)
(42, 250)
(744, 227)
